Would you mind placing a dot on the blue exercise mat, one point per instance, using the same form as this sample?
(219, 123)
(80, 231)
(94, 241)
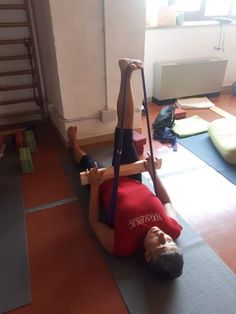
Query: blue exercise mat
(201, 146)
(15, 288)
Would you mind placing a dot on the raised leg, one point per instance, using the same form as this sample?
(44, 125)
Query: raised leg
(129, 154)
(127, 67)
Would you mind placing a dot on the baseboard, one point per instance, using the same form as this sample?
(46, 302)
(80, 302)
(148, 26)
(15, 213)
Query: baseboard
(226, 90)
(100, 139)
(163, 102)
(95, 140)
(173, 100)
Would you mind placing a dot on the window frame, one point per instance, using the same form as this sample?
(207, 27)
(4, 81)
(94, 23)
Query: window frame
(199, 15)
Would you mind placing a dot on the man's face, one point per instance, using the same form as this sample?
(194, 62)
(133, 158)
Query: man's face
(157, 242)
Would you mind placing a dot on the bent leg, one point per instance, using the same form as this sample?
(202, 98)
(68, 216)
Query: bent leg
(81, 157)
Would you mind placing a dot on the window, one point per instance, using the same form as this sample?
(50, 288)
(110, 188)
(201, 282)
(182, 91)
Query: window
(234, 9)
(205, 9)
(195, 10)
(188, 5)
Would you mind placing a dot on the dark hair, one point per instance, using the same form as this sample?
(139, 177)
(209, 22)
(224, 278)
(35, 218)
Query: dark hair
(168, 265)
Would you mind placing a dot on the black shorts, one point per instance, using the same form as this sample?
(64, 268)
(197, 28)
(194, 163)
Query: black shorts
(86, 162)
(129, 153)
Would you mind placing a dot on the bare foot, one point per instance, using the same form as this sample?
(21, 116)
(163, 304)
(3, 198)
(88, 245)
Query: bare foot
(72, 135)
(73, 142)
(130, 65)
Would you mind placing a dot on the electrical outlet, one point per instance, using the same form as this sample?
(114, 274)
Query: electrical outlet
(108, 115)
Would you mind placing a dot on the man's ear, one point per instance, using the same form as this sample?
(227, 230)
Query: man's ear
(147, 256)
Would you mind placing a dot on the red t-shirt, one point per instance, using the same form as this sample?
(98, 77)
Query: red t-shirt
(137, 210)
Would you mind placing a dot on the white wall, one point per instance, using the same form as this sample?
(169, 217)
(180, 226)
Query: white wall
(88, 38)
(124, 37)
(189, 42)
(79, 44)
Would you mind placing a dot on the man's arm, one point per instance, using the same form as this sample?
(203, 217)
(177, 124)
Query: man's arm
(165, 199)
(104, 233)
(162, 193)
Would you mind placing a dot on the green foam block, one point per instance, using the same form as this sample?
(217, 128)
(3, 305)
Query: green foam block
(31, 140)
(26, 160)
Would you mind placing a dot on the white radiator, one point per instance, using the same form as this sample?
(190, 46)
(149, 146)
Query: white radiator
(182, 78)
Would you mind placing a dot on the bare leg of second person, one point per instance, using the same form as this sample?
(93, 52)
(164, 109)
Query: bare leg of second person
(81, 157)
(73, 141)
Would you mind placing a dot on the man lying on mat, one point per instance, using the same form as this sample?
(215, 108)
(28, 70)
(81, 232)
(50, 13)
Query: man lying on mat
(142, 220)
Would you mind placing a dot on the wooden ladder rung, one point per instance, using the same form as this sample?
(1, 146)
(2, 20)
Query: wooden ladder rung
(14, 24)
(12, 6)
(16, 101)
(12, 41)
(19, 114)
(19, 57)
(15, 87)
(12, 73)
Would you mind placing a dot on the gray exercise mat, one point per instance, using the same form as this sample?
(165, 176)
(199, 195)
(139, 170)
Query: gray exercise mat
(207, 285)
(202, 146)
(14, 273)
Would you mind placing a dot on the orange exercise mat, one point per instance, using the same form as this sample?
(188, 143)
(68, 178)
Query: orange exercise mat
(48, 182)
